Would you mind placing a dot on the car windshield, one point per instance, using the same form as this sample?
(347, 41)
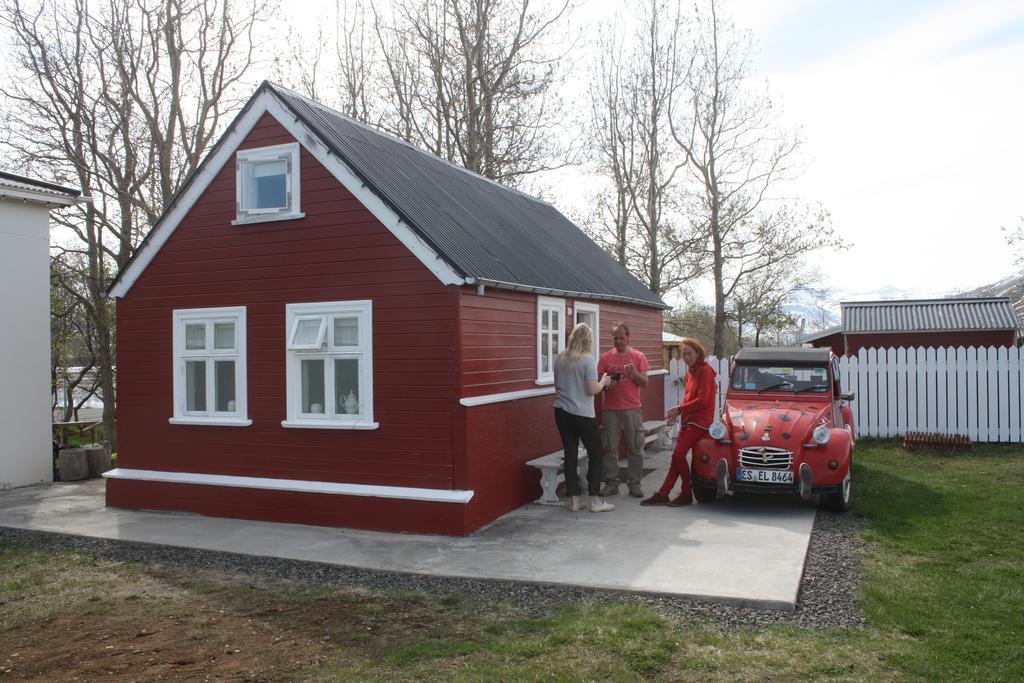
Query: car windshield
(795, 379)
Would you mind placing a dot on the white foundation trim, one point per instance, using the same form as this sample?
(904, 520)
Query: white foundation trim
(294, 485)
(507, 396)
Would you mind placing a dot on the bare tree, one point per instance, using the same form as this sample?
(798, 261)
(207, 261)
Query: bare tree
(737, 157)
(337, 63)
(697, 321)
(72, 338)
(1014, 238)
(122, 99)
(472, 81)
(638, 219)
(759, 299)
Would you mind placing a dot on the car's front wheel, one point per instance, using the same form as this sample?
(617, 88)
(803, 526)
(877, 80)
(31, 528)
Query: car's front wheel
(704, 495)
(841, 499)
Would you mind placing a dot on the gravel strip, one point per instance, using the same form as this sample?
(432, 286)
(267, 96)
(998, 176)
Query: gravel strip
(828, 589)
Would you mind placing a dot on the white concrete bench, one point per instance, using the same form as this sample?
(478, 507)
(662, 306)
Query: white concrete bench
(550, 466)
(657, 430)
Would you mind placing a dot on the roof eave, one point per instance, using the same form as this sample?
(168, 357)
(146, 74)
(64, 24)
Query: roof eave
(564, 293)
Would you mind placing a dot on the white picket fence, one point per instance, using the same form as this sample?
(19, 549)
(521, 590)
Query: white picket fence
(974, 392)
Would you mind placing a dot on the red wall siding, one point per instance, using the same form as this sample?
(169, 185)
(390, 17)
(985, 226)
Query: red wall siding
(832, 341)
(432, 346)
(854, 342)
(499, 354)
(339, 251)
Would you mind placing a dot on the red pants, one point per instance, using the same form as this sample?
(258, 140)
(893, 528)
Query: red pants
(679, 467)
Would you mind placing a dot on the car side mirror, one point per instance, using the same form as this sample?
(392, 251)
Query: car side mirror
(847, 397)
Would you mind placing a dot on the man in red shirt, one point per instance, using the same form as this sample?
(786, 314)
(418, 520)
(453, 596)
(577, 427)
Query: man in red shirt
(622, 412)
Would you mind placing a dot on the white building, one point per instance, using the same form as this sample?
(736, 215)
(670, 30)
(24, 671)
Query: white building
(25, 204)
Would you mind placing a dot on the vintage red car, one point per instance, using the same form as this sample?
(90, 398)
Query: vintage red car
(785, 427)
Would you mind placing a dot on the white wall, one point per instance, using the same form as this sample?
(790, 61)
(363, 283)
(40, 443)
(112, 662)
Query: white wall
(25, 453)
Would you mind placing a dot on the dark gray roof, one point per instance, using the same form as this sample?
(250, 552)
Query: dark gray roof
(929, 315)
(497, 235)
(794, 355)
(827, 332)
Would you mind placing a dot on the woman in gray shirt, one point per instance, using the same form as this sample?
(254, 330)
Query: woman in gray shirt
(576, 384)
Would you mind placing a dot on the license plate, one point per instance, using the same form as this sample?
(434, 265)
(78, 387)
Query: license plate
(765, 476)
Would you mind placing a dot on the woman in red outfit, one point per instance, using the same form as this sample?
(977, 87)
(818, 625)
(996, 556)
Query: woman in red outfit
(696, 414)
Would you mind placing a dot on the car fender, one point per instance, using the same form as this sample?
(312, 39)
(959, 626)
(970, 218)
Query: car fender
(848, 420)
(715, 450)
(838, 448)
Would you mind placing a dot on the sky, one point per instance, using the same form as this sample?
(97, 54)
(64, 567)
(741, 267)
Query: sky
(912, 114)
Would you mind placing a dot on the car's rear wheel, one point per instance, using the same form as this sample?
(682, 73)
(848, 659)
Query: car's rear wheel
(704, 495)
(841, 499)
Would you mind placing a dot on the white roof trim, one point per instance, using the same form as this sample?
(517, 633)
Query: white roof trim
(294, 485)
(46, 197)
(267, 102)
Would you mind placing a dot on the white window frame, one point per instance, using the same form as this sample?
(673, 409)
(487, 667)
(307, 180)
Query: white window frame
(596, 329)
(295, 353)
(547, 303)
(209, 317)
(290, 154)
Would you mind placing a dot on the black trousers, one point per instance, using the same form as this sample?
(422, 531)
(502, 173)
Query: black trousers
(573, 429)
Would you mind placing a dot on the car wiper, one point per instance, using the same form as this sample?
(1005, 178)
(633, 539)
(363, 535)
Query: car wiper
(772, 386)
(815, 387)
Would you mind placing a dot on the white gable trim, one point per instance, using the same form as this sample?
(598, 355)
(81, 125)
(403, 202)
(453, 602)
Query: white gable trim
(268, 103)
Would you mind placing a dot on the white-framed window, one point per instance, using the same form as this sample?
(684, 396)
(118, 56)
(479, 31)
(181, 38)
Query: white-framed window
(210, 367)
(591, 315)
(267, 184)
(329, 365)
(550, 336)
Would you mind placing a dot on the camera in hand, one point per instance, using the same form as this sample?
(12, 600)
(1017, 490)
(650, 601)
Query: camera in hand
(616, 376)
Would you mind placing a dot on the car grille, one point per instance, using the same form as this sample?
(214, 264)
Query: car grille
(766, 458)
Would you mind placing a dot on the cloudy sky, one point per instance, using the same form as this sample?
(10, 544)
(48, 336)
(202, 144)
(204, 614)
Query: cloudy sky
(912, 113)
(913, 116)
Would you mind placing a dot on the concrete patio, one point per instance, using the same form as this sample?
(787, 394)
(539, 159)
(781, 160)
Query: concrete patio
(746, 550)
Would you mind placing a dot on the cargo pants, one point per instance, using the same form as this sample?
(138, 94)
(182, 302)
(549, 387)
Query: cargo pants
(614, 422)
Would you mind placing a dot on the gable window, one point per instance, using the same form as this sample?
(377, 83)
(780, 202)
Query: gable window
(591, 315)
(267, 184)
(550, 336)
(329, 365)
(209, 367)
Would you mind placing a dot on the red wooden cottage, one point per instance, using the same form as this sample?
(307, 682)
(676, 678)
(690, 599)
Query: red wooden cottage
(908, 323)
(330, 326)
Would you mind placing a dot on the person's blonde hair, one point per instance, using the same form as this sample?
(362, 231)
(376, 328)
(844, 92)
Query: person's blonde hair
(579, 345)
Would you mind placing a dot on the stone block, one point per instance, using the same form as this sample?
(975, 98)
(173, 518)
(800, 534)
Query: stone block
(73, 464)
(98, 458)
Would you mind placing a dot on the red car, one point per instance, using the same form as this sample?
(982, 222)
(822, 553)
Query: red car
(786, 427)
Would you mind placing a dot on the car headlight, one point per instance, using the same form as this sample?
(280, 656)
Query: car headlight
(821, 434)
(717, 430)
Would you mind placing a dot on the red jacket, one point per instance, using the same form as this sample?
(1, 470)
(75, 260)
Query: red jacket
(698, 406)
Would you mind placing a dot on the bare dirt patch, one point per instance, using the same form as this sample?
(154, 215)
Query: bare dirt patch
(151, 630)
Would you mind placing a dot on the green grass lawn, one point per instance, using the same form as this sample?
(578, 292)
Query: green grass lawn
(943, 593)
(945, 581)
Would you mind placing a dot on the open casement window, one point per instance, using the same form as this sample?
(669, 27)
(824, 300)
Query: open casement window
(330, 365)
(550, 336)
(267, 183)
(209, 367)
(591, 315)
